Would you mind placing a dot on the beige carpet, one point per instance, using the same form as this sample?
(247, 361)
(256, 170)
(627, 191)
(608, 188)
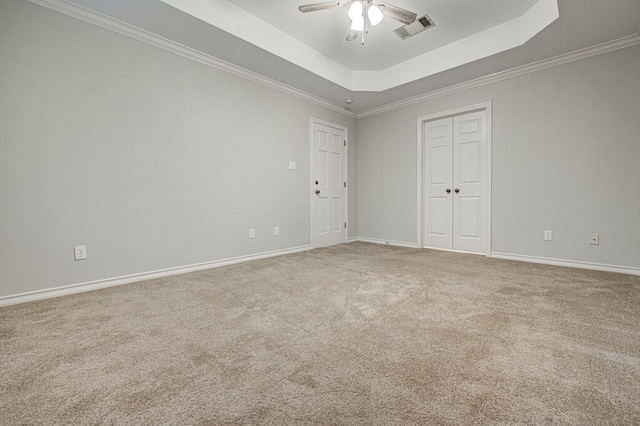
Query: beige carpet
(352, 334)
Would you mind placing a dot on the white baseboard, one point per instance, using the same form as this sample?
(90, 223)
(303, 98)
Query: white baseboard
(521, 258)
(386, 242)
(568, 263)
(128, 279)
(453, 251)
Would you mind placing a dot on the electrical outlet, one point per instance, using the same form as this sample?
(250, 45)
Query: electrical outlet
(276, 231)
(594, 239)
(548, 235)
(80, 252)
(252, 233)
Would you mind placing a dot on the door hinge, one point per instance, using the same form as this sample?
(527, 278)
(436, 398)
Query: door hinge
(345, 184)
(344, 143)
(345, 225)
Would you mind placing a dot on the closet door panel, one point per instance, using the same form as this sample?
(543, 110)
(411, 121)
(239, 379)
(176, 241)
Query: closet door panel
(470, 182)
(438, 203)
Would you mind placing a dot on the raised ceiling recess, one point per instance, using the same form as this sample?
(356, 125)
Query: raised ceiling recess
(465, 32)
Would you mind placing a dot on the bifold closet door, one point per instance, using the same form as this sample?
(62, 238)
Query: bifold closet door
(455, 174)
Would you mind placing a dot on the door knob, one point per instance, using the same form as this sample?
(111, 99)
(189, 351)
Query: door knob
(448, 190)
(316, 182)
(457, 190)
(317, 192)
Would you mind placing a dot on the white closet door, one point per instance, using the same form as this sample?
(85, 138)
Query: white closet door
(438, 206)
(455, 182)
(470, 182)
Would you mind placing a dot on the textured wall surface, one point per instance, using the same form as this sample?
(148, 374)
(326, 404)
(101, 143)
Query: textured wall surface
(155, 161)
(152, 160)
(566, 150)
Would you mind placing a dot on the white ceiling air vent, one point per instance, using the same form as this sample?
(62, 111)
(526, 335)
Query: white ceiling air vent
(420, 24)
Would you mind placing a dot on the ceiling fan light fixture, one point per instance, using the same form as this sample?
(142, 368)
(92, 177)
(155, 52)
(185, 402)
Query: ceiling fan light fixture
(365, 13)
(375, 14)
(358, 24)
(355, 10)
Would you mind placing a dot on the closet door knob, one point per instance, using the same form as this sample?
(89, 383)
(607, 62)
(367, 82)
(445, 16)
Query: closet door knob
(456, 190)
(317, 192)
(448, 190)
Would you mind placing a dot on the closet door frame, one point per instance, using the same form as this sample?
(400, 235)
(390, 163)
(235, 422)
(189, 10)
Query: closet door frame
(486, 106)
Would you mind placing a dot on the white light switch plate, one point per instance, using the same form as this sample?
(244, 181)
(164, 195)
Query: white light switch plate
(292, 165)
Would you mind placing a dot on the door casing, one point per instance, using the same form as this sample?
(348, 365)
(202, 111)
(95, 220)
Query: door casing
(486, 106)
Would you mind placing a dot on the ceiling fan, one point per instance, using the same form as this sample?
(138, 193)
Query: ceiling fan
(362, 13)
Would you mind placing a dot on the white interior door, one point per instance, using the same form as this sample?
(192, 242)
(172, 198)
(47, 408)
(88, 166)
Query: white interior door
(470, 182)
(438, 163)
(328, 176)
(455, 182)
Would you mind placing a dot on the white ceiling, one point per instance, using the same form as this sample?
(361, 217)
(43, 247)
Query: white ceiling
(325, 30)
(581, 25)
(468, 31)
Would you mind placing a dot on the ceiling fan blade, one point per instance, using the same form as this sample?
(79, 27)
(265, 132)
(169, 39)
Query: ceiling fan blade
(321, 6)
(398, 13)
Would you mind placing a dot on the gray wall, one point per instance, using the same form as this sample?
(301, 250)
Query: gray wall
(566, 157)
(151, 160)
(155, 161)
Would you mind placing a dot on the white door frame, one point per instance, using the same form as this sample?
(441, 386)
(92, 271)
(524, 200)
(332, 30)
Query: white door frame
(486, 106)
(313, 120)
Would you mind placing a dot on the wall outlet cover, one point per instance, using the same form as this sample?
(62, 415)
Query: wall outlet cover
(80, 252)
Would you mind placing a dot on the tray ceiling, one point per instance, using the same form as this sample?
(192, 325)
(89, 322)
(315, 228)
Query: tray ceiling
(464, 32)
(582, 29)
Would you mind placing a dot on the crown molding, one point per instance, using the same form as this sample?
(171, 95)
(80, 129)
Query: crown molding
(135, 33)
(491, 41)
(621, 43)
(229, 17)
(127, 30)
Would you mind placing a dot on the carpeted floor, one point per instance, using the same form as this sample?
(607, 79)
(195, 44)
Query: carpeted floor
(351, 334)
